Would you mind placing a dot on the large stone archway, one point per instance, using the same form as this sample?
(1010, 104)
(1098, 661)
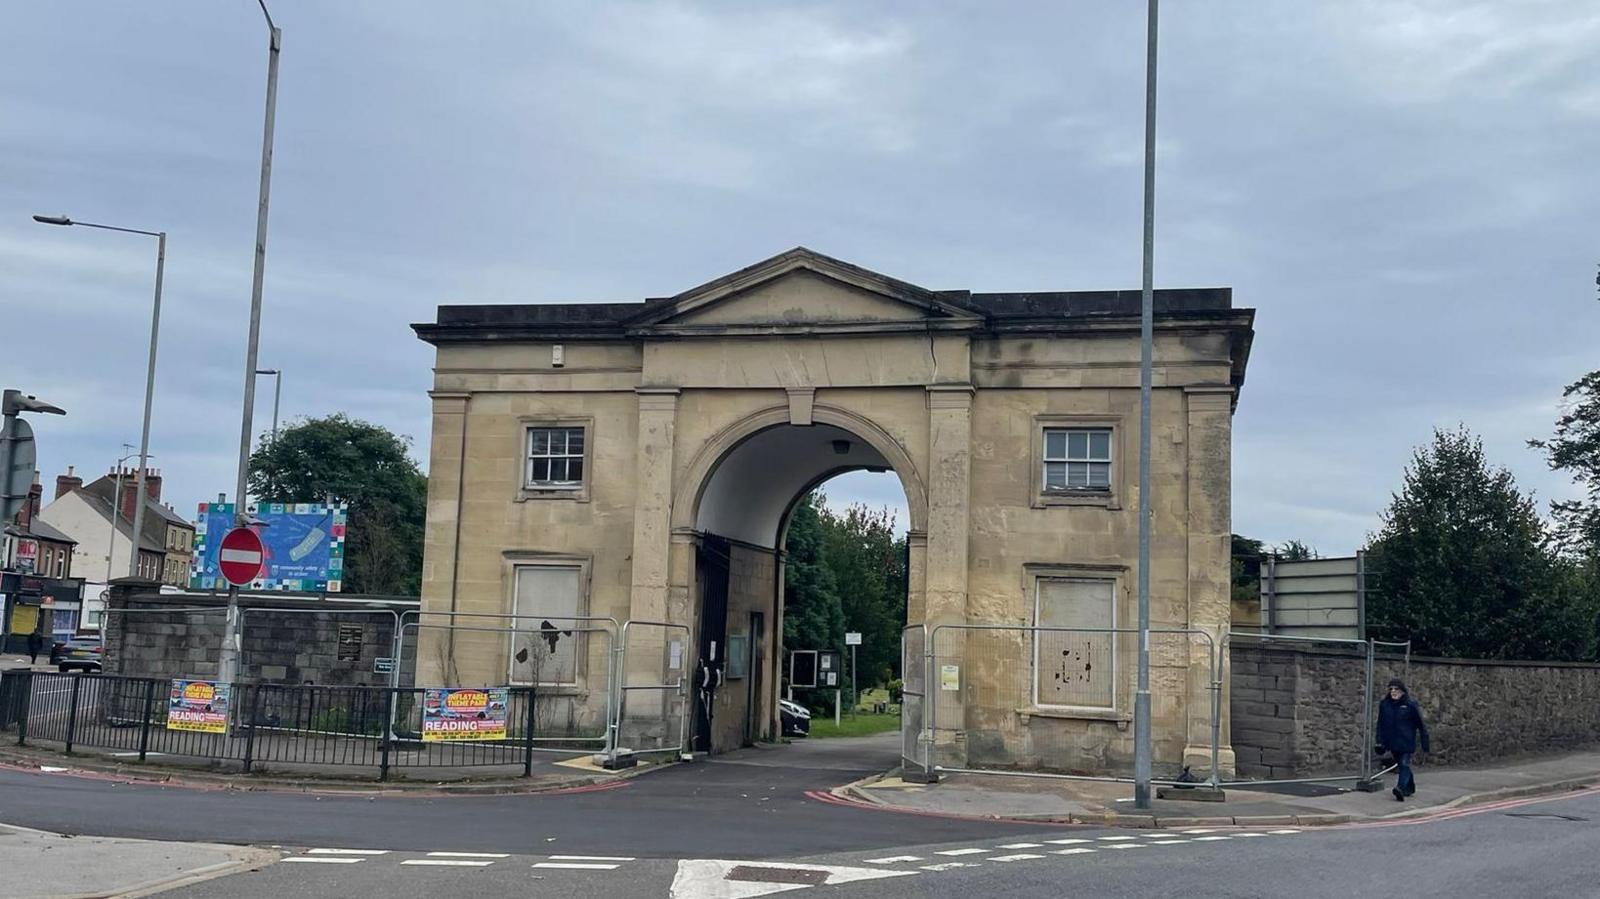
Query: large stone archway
(1008, 418)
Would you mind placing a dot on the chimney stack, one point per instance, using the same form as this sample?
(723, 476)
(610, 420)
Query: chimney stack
(66, 483)
(152, 484)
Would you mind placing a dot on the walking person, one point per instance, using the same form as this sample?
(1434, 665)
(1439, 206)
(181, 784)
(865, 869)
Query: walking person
(1399, 725)
(35, 643)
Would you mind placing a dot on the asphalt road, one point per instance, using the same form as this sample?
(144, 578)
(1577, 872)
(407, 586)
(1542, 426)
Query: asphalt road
(749, 805)
(1529, 850)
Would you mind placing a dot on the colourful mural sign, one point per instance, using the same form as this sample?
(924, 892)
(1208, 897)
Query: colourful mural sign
(304, 545)
(464, 714)
(198, 705)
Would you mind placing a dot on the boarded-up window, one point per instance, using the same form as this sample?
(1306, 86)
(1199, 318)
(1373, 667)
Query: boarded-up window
(1073, 669)
(545, 647)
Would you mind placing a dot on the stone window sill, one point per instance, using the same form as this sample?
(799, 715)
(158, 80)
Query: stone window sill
(1101, 498)
(1113, 715)
(573, 494)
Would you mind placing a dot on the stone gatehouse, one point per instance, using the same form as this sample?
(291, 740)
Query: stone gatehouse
(640, 461)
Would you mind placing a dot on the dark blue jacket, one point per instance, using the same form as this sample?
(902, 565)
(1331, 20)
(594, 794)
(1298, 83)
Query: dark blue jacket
(1399, 723)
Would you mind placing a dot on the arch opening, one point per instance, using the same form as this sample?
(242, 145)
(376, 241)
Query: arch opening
(742, 517)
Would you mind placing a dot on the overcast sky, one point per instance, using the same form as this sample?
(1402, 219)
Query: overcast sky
(1406, 191)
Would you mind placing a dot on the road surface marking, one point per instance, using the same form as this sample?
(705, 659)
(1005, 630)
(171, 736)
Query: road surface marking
(470, 855)
(1166, 842)
(961, 852)
(1208, 839)
(1068, 842)
(576, 866)
(1127, 845)
(1019, 846)
(446, 863)
(704, 878)
(895, 858)
(1079, 851)
(347, 852)
(946, 866)
(1019, 857)
(1278, 832)
(592, 858)
(1116, 839)
(1249, 834)
(323, 860)
(1200, 830)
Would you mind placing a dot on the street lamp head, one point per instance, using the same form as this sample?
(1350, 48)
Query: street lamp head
(266, 371)
(52, 220)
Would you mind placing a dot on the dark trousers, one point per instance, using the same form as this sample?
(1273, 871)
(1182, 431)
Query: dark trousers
(1407, 783)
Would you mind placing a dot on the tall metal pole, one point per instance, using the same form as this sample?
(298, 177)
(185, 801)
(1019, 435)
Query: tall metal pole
(277, 394)
(116, 511)
(1141, 702)
(228, 665)
(149, 396)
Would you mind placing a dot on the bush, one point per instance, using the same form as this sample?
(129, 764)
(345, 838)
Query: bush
(896, 689)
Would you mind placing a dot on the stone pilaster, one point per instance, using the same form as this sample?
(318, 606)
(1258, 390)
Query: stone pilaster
(1209, 422)
(652, 521)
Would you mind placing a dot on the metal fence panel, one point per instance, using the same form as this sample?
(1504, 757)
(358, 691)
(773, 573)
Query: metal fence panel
(652, 711)
(913, 699)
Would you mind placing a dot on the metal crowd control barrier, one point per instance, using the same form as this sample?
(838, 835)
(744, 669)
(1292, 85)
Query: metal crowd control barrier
(1033, 632)
(667, 690)
(915, 739)
(608, 737)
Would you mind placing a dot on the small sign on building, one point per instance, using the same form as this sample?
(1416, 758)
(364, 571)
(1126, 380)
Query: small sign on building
(350, 638)
(383, 665)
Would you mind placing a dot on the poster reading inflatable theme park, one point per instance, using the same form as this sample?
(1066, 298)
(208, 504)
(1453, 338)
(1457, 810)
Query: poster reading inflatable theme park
(304, 545)
(463, 714)
(198, 705)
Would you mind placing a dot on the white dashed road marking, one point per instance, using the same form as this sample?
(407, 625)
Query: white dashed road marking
(446, 863)
(347, 851)
(1081, 850)
(1282, 832)
(576, 866)
(1019, 846)
(894, 859)
(323, 860)
(1249, 834)
(1019, 857)
(961, 852)
(1068, 842)
(469, 855)
(592, 858)
(1127, 845)
(946, 866)
(1116, 839)
(1166, 842)
(1208, 839)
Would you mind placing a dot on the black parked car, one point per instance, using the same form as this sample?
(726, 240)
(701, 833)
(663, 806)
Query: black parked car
(82, 654)
(794, 717)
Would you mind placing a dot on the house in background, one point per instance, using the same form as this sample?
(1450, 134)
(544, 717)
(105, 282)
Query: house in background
(37, 590)
(99, 516)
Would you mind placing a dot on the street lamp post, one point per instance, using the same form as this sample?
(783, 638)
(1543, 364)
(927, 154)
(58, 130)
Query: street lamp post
(228, 665)
(116, 513)
(277, 393)
(1142, 762)
(150, 368)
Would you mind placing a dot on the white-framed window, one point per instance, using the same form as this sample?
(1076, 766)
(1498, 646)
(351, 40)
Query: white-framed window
(555, 458)
(1075, 670)
(61, 563)
(1077, 459)
(547, 645)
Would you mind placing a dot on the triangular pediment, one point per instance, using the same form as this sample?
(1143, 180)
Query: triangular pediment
(800, 290)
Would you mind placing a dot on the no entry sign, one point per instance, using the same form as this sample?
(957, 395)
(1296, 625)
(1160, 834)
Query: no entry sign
(240, 556)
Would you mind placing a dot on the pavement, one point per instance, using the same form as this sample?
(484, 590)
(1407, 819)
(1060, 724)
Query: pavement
(1045, 799)
(43, 865)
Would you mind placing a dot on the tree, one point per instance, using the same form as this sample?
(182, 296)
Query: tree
(1296, 551)
(813, 617)
(371, 469)
(868, 565)
(1575, 449)
(1462, 565)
